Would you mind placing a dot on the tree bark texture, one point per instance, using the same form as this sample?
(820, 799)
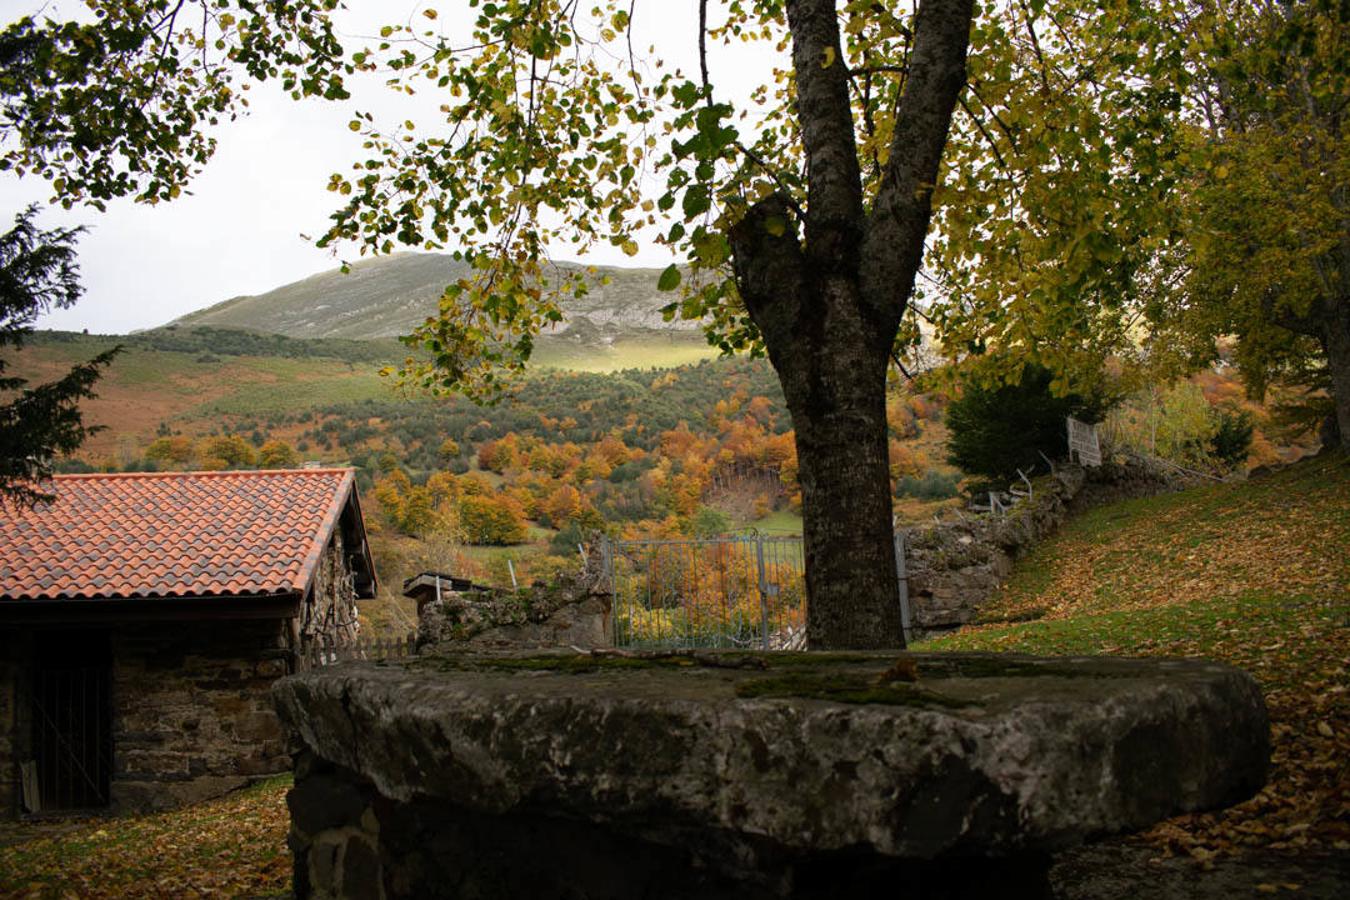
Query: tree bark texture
(1336, 342)
(827, 291)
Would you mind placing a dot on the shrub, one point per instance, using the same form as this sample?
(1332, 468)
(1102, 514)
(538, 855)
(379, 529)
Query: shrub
(1232, 439)
(996, 431)
(277, 455)
(565, 542)
(709, 522)
(934, 485)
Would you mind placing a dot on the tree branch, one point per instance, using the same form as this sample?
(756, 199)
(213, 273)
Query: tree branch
(893, 244)
(770, 267)
(834, 183)
(703, 48)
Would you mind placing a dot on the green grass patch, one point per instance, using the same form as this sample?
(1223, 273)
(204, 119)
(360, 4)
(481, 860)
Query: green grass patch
(782, 521)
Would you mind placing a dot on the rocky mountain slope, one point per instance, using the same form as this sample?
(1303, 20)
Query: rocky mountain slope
(387, 296)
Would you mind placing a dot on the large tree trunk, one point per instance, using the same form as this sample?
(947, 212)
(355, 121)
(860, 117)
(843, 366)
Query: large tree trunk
(827, 286)
(837, 398)
(1336, 341)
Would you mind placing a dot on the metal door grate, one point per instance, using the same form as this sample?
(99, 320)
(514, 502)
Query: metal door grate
(72, 724)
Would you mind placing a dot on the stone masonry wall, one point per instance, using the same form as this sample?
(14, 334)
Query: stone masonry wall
(191, 710)
(574, 612)
(955, 567)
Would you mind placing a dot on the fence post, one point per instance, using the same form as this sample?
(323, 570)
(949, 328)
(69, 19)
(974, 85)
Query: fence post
(902, 580)
(763, 590)
(607, 565)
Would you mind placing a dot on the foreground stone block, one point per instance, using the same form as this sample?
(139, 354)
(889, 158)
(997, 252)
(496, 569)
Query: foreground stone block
(747, 775)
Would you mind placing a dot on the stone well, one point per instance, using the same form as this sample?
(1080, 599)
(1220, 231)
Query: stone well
(600, 775)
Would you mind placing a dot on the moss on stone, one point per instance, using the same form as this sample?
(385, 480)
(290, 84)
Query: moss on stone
(582, 664)
(577, 664)
(843, 687)
(789, 659)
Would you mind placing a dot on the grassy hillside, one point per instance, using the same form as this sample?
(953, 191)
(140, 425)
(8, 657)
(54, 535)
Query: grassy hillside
(1256, 574)
(198, 378)
(192, 388)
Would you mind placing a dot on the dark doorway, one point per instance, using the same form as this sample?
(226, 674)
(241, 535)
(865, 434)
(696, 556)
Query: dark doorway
(72, 719)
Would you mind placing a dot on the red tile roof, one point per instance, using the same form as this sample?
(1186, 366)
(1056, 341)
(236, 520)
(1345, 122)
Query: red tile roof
(174, 534)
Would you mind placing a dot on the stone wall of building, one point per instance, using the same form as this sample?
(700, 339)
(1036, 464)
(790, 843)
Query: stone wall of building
(192, 714)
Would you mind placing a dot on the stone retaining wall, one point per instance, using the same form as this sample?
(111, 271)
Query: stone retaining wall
(955, 567)
(574, 612)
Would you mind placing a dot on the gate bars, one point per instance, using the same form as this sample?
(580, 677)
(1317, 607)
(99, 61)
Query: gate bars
(745, 592)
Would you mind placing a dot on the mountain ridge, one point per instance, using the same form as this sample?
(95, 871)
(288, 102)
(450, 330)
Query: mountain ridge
(390, 295)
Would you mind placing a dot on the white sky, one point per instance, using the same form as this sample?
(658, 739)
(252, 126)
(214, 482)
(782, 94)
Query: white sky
(239, 231)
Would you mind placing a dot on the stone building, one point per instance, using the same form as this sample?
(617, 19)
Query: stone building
(143, 619)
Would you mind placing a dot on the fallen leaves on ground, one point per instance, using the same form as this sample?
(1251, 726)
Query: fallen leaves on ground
(1256, 574)
(231, 847)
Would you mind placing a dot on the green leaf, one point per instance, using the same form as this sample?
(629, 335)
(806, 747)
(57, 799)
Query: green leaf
(696, 200)
(670, 278)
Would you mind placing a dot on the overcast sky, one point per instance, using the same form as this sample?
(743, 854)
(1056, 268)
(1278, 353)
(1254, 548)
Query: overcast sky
(240, 231)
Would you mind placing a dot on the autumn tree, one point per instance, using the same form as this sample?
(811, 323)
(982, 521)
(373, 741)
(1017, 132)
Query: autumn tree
(1136, 181)
(489, 519)
(277, 454)
(170, 449)
(802, 223)
(1267, 204)
(226, 451)
(122, 103)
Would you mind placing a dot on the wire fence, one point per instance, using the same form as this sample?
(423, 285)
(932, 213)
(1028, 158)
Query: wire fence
(725, 592)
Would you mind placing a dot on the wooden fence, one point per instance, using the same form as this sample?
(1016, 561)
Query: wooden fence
(364, 649)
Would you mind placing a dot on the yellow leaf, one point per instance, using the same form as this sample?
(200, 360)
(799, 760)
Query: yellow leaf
(630, 248)
(827, 59)
(1325, 730)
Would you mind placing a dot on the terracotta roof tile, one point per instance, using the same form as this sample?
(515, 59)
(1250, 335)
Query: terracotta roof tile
(174, 534)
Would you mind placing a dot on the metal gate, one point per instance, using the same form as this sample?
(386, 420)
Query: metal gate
(72, 726)
(727, 592)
